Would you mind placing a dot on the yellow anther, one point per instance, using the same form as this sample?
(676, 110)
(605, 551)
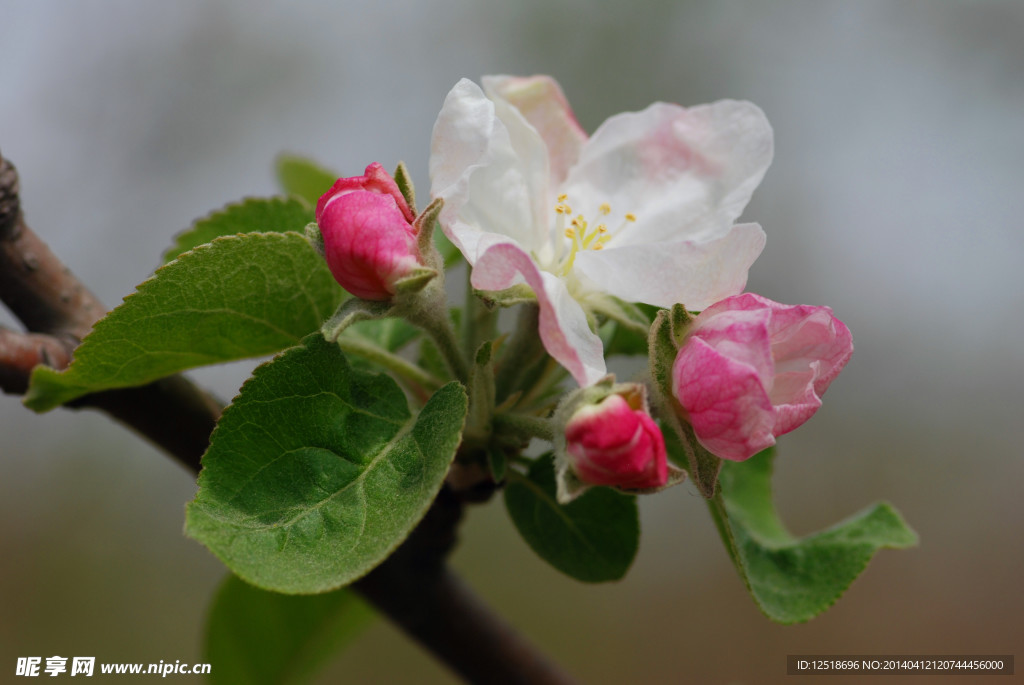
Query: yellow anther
(563, 197)
(581, 237)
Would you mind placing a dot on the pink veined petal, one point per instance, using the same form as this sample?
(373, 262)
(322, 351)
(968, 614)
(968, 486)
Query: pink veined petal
(795, 399)
(563, 324)
(490, 169)
(725, 400)
(692, 273)
(375, 180)
(610, 425)
(745, 302)
(803, 335)
(803, 338)
(741, 336)
(543, 104)
(808, 348)
(686, 174)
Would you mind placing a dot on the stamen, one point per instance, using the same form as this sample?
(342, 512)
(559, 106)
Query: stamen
(577, 233)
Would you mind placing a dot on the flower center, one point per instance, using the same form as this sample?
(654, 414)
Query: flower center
(581, 234)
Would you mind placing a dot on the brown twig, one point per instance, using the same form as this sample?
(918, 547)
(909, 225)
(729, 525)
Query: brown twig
(21, 352)
(34, 284)
(58, 311)
(414, 587)
(431, 604)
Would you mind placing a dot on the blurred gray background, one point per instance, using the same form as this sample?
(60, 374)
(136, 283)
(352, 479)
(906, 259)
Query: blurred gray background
(895, 197)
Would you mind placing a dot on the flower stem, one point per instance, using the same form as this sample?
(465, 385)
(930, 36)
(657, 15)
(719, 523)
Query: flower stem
(521, 351)
(434, 319)
(390, 361)
(524, 425)
(479, 322)
(550, 375)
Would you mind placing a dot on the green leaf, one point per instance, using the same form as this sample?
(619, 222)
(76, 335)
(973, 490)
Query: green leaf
(256, 637)
(791, 579)
(594, 538)
(237, 297)
(317, 471)
(253, 215)
(404, 182)
(303, 177)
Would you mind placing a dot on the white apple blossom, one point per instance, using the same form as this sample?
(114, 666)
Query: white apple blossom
(642, 211)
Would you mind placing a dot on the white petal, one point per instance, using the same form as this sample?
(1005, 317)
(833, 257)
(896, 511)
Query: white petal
(563, 324)
(696, 274)
(491, 169)
(686, 174)
(542, 103)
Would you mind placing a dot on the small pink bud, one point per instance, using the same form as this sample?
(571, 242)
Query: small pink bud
(369, 240)
(615, 443)
(752, 369)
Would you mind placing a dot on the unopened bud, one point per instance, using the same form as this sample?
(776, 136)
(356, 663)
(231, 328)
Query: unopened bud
(368, 235)
(616, 442)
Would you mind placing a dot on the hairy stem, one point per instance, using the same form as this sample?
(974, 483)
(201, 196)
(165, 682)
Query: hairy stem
(524, 425)
(390, 361)
(433, 318)
(479, 322)
(521, 351)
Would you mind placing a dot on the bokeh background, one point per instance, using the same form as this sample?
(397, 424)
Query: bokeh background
(896, 197)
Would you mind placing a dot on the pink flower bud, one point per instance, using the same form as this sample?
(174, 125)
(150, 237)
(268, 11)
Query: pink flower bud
(751, 369)
(615, 443)
(369, 240)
